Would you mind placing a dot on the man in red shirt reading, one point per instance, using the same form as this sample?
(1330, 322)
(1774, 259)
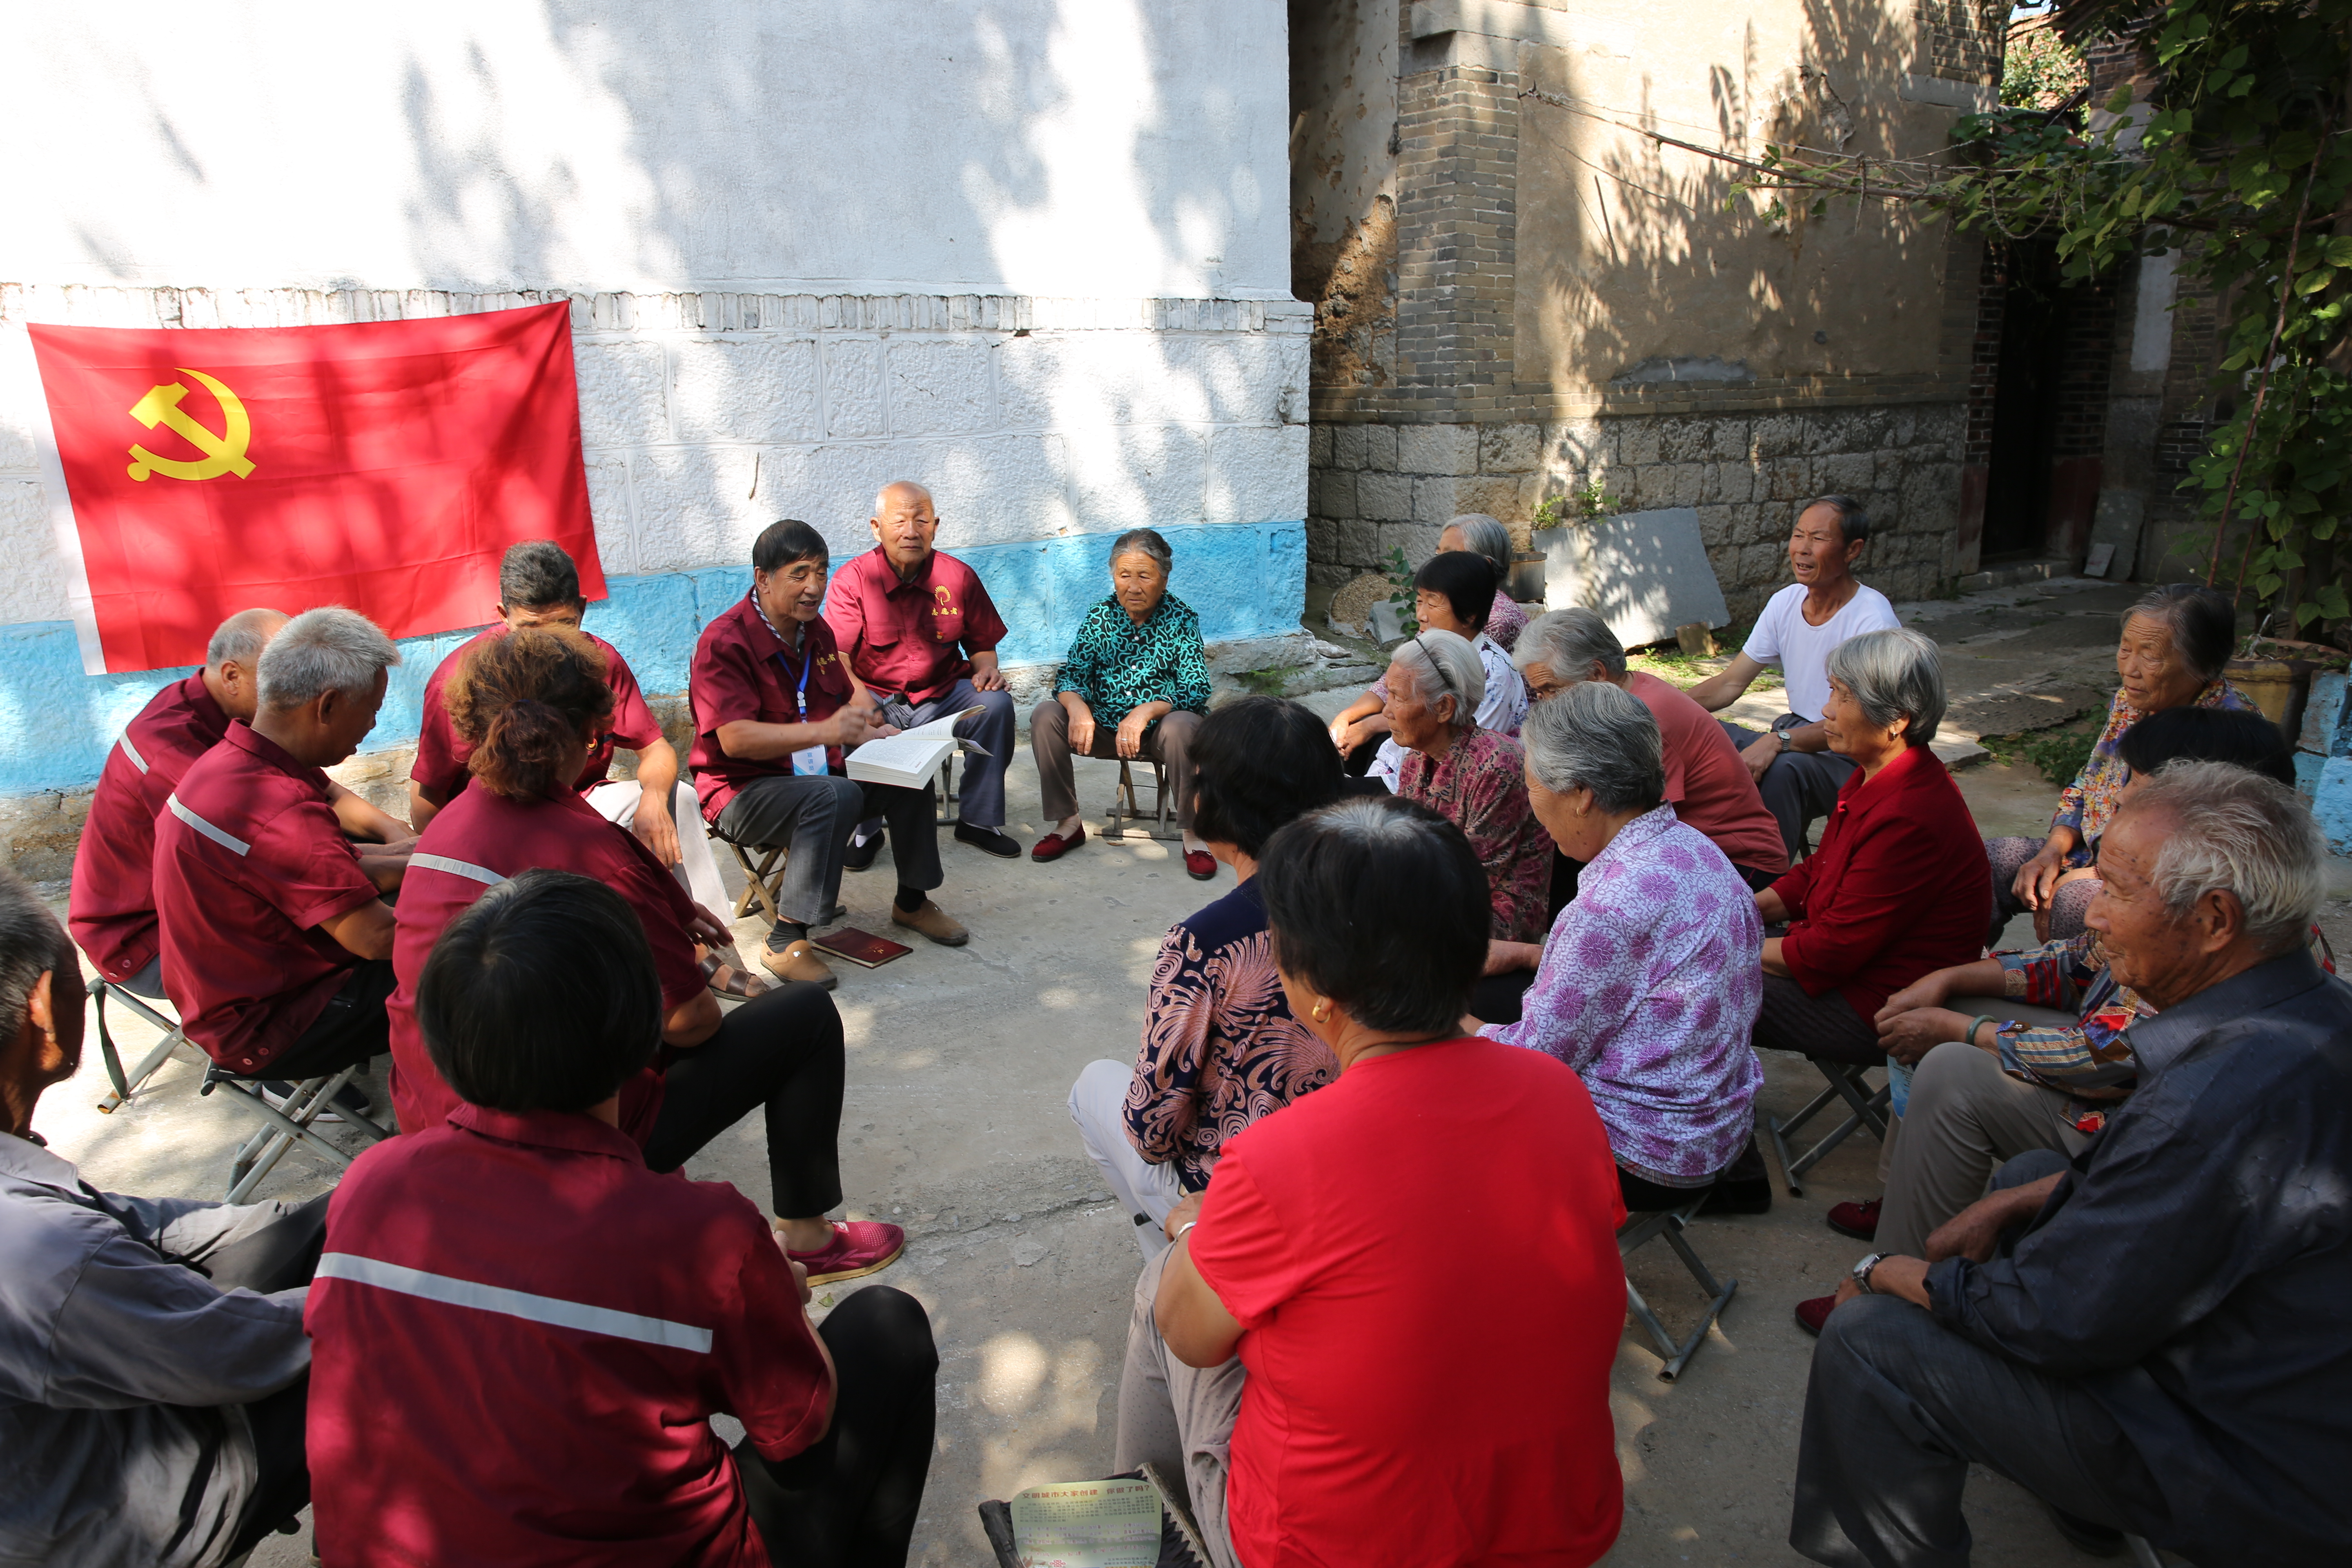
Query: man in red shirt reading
(520, 1333)
(277, 941)
(917, 624)
(538, 585)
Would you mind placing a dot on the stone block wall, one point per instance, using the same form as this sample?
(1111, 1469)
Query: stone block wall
(1374, 488)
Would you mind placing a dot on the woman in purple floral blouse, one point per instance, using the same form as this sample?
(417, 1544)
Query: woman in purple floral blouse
(1219, 1047)
(1649, 981)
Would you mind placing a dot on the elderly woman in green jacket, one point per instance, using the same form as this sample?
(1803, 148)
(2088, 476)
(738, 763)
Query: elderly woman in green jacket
(1135, 685)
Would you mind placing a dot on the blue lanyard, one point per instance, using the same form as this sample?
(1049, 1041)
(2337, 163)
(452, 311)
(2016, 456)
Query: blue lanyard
(808, 657)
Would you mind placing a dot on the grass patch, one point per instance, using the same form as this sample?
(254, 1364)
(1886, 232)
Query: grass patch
(2058, 755)
(1670, 663)
(1262, 683)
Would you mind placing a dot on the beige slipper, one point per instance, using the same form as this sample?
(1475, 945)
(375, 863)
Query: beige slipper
(799, 964)
(933, 923)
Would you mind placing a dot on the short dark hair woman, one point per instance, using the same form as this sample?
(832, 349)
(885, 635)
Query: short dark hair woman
(531, 703)
(1454, 592)
(1387, 1414)
(520, 1331)
(1219, 1048)
(2170, 653)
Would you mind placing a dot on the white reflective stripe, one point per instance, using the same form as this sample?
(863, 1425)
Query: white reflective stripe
(131, 751)
(225, 840)
(552, 1309)
(456, 867)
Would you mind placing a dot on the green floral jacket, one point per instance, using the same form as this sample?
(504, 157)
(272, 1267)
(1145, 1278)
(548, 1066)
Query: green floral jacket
(1118, 665)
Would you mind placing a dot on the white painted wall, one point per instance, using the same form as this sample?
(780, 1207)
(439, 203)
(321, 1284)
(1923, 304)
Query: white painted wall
(1034, 252)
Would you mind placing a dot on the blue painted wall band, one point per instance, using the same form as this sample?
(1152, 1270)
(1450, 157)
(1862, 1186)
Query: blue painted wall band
(1245, 580)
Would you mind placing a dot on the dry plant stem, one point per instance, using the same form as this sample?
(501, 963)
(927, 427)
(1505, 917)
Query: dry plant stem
(2262, 386)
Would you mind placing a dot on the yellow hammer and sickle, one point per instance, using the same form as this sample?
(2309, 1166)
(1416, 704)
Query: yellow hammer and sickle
(223, 454)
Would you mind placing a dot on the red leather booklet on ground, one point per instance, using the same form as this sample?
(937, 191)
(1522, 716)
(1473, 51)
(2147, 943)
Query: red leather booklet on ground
(860, 947)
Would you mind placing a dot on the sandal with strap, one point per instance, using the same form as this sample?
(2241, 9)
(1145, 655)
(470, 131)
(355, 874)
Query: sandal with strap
(727, 981)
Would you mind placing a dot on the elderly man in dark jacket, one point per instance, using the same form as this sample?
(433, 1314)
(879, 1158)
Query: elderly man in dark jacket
(152, 1364)
(2150, 1339)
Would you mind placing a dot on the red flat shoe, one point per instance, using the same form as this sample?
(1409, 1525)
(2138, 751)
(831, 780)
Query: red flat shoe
(1858, 1221)
(1053, 846)
(1200, 865)
(1813, 1314)
(859, 1248)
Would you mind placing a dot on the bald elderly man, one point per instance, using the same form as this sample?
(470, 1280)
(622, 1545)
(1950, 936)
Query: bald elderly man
(113, 910)
(918, 625)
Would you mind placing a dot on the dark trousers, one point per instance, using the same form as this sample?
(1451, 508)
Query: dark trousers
(1499, 998)
(1746, 1173)
(1825, 1026)
(780, 1054)
(849, 1500)
(280, 1257)
(979, 796)
(813, 817)
(1800, 787)
(1897, 1408)
(352, 1029)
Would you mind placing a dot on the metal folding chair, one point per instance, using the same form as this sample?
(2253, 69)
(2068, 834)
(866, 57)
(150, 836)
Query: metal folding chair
(1866, 1109)
(949, 801)
(282, 1129)
(1638, 1231)
(124, 1084)
(1126, 814)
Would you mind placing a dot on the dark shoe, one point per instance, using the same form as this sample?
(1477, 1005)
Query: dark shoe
(1813, 1314)
(2097, 1539)
(1858, 1221)
(860, 853)
(1053, 846)
(988, 841)
(1200, 865)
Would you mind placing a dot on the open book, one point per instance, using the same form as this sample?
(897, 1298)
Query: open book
(1131, 1521)
(910, 759)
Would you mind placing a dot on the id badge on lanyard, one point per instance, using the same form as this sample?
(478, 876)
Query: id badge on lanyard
(809, 761)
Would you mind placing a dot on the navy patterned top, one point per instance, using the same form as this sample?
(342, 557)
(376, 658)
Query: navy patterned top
(1118, 665)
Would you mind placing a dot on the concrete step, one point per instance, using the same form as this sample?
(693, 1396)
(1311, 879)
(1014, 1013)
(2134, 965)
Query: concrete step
(2015, 573)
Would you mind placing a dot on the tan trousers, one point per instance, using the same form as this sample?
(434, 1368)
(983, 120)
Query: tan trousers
(1965, 1118)
(1168, 743)
(1181, 1418)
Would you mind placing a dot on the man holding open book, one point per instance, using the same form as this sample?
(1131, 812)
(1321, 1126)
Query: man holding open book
(775, 707)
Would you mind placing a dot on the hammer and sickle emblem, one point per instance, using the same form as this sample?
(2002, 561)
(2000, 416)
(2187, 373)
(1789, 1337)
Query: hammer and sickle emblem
(223, 454)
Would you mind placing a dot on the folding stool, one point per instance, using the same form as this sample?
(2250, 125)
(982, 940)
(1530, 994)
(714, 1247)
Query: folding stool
(1866, 1108)
(1126, 814)
(282, 1129)
(1636, 1232)
(761, 876)
(125, 1085)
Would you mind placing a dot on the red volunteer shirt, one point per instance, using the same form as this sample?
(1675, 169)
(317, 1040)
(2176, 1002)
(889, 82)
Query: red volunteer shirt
(249, 863)
(113, 910)
(1898, 888)
(441, 754)
(479, 840)
(911, 637)
(518, 1337)
(744, 672)
(1707, 784)
(1501, 1453)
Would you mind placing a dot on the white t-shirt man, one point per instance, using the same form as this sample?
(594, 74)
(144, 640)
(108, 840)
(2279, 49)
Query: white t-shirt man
(1801, 652)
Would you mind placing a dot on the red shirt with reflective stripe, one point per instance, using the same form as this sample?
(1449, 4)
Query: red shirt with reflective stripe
(911, 635)
(482, 839)
(562, 1416)
(441, 754)
(240, 906)
(112, 911)
(744, 672)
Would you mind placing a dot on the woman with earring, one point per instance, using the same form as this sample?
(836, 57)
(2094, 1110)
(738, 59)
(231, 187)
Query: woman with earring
(1386, 1415)
(1898, 887)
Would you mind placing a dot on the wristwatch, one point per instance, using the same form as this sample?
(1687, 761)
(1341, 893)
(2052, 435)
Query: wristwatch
(1785, 747)
(1862, 1272)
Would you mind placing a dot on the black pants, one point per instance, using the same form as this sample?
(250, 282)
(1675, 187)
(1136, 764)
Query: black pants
(282, 1258)
(782, 1054)
(353, 1029)
(1825, 1027)
(849, 1500)
(1498, 998)
(1743, 1177)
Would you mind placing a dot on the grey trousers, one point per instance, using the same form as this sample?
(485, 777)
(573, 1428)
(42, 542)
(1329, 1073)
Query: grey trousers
(1897, 1408)
(1146, 1191)
(812, 816)
(980, 798)
(1168, 743)
(1964, 1119)
(1178, 1417)
(1798, 788)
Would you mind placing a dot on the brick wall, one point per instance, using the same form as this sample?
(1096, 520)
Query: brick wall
(1961, 41)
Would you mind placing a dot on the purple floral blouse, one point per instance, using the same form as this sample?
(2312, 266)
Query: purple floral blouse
(1220, 1045)
(1481, 787)
(1648, 988)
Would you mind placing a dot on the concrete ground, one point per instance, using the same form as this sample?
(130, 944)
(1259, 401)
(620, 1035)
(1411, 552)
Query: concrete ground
(960, 1062)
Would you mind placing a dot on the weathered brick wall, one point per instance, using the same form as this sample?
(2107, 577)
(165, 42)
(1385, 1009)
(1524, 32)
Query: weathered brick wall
(1374, 488)
(1960, 40)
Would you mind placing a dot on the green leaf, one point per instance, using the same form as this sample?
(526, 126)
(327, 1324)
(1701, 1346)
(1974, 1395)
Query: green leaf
(2269, 582)
(2333, 603)
(2312, 282)
(2119, 100)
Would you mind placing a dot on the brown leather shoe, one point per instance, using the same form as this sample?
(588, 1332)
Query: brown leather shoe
(799, 964)
(933, 923)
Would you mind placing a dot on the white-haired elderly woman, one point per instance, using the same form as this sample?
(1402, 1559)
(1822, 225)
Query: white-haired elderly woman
(1648, 984)
(1471, 777)
(1898, 887)
(1134, 684)
(1481, 535)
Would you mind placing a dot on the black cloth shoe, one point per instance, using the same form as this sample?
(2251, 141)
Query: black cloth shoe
(859, 857)
(989, 840)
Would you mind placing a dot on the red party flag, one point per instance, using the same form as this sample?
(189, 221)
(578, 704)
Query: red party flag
(384, 466)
